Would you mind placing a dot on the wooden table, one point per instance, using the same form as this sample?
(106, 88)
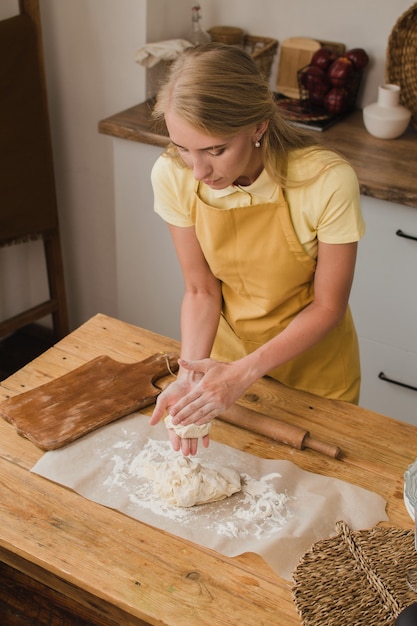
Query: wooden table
(123, 572)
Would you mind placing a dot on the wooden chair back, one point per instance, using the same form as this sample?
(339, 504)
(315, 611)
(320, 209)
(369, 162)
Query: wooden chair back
(28, 206)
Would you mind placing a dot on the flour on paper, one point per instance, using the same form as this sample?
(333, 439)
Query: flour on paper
(186, 482)
(258, 510)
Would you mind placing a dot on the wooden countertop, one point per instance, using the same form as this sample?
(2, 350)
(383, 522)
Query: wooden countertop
(386, 168)
(132, 574)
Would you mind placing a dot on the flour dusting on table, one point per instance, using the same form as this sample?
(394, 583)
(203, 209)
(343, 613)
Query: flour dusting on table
(280, 512)
(257, 510)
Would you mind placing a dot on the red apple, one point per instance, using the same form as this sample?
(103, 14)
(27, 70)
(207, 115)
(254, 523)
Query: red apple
(340, 71)
(316, 99)
(336, 100)
(359, 58)
(317, 92)
(315, 80)
(323, 57)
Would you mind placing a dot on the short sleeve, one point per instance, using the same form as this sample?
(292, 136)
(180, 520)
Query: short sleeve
(341, 218)
(173, 188)
(328, 208)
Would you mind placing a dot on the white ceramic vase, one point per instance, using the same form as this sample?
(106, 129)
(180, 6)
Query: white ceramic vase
(386, 118)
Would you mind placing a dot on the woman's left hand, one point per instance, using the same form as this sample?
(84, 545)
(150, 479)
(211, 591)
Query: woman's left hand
(221, 384)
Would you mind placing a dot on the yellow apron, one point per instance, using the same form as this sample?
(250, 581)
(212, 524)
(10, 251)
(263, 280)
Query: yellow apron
(267, 279)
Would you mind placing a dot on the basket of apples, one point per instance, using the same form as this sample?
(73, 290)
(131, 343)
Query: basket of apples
(330, 83)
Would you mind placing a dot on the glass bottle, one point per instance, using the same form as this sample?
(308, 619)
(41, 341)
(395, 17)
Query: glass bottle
(198, 35)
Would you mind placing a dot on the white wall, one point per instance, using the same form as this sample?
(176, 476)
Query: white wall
(89, 48)
(356, 23)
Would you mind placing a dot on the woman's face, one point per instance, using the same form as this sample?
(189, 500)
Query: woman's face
(217, 161)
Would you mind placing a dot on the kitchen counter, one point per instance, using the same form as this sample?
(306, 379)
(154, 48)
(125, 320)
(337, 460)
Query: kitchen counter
(117, 570)
(386, 169)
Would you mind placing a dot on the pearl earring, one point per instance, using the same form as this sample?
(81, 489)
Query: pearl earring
(258, 142)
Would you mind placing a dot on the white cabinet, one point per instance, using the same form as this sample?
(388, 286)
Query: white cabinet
(384, 306)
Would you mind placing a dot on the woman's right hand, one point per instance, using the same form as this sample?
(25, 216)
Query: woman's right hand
(165, 400)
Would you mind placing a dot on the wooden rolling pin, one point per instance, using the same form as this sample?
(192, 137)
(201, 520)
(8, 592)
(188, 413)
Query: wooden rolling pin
(277, 430)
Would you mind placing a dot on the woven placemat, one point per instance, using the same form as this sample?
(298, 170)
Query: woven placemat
(401, 65)
(295, 110)
(357, 578)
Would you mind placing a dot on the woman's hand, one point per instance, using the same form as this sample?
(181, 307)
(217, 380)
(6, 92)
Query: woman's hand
(219, 385)
(187, 446)
(204, 389)
(165, 400)
(168, 398)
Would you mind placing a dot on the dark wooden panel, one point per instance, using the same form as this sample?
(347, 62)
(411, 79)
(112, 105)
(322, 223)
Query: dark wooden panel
(25, 601)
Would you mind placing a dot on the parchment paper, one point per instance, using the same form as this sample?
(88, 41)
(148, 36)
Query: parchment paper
(281, 511)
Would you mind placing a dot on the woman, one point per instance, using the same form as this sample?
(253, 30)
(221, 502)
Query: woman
(265, 224)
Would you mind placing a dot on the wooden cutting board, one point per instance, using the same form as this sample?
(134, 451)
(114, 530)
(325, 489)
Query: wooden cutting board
(95, 394)
(295, 53)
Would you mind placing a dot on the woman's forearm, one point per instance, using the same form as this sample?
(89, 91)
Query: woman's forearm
(307, 329)
(200, 313)
(332, 284)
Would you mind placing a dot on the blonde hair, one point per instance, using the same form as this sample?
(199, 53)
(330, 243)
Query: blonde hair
(218, 89)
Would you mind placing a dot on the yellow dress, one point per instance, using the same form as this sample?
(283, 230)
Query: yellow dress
(267, 279)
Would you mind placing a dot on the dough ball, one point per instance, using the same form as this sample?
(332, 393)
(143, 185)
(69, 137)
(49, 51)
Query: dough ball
(185, 482)
(192, 431)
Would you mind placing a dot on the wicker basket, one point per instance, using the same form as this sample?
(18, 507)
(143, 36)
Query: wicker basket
(357, 578)
(401, 65)
(227, 34)
(263, 50)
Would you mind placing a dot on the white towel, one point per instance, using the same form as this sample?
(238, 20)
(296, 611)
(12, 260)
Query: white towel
(153, 53)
